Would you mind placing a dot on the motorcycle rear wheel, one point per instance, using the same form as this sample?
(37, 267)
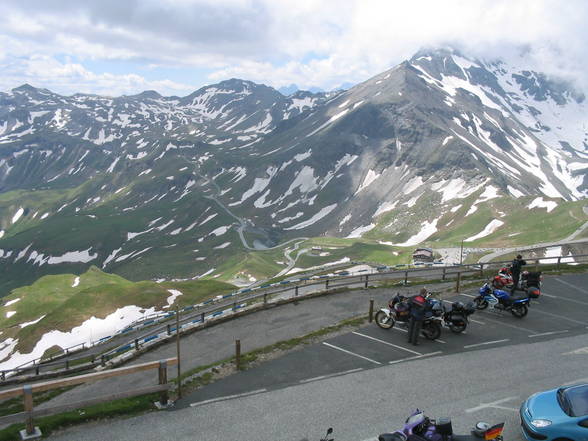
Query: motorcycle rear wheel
(383, 320)
(431, 331)
(519, 311)
(457, 329)
(480, 303)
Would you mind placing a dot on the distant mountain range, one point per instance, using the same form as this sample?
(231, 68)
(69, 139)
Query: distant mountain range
(440, 148)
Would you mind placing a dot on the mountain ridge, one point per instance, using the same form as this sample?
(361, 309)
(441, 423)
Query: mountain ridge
(420, 152)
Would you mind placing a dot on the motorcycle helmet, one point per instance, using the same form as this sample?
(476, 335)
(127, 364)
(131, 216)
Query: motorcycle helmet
(457, 305)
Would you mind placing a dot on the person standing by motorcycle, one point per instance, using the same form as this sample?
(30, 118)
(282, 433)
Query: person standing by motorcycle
(516, 266)
(417, 315)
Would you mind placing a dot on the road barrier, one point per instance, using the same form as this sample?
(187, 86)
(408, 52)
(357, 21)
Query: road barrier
(225, 306)
(28, 390)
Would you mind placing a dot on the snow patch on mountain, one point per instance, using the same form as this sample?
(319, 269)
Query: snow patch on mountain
(384, 207)
(489, 229)
(17, 215)
(370, 177)
(73, 256)
(427, 229)
(90, 330)
(358, 232)
(318, 216)
(540, 203)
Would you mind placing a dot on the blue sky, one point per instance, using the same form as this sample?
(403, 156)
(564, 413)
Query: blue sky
(115, 47)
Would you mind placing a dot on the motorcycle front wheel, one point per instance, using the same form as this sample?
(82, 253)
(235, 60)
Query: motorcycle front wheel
(519, 311)
(480, 303)
(431, 331)
(383, 320)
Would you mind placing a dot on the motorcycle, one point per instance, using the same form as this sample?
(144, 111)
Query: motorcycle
(419, 427)
(529, 281)
(501, 300)
(503, 279)
(455, 316)
(398, 311)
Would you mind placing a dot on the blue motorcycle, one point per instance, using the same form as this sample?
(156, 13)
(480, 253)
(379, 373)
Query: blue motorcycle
(500, 300)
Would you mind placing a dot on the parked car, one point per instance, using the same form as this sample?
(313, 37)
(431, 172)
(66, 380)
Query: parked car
(557, 414)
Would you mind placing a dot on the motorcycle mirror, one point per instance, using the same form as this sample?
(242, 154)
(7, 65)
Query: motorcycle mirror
(329, 431)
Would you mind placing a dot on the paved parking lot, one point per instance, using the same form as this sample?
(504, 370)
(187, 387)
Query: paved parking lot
(561, 311)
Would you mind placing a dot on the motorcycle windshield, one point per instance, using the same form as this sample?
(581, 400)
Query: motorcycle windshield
(415, 419)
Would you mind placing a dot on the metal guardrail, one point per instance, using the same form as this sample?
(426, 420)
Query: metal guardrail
(248, 298)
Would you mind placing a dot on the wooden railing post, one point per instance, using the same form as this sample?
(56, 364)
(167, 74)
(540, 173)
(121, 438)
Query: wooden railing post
(536, 265)
(136, 344)
(406, 277)
(238, 354)
(458, 282)
(327, 284)
(202, 317)
(366, 281)
(444, 273)
(371, 311)
(482, 270)
(558, 263)
(30, 431)
(264, 299)
(296, 291)
(168, 329)
(163, 400)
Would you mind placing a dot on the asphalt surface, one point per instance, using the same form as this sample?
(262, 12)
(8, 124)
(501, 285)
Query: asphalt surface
(560, 311)
(470, 386)
(255, 331)
(358, 361)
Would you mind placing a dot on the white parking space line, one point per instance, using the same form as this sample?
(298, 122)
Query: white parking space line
(486, 343)
(476, 321)
(571, 285)
(467, 295)
(562, 317)
(351, 353)
(386, 343)
(549, 333)
(543, 293)
(567, 299)
(336, 374)
(507, 325)
(228, 397)
(492, 404)
(402, 360)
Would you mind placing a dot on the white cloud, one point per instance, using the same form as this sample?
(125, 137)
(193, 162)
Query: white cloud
(310, 43)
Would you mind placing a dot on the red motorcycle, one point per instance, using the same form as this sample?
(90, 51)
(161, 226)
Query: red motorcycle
(503, 279)
(529, 281)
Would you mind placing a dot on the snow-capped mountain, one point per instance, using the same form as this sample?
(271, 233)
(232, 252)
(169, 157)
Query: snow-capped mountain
(406, 156)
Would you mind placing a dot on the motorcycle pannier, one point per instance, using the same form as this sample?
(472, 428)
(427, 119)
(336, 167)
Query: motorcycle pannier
(444, 428)
(533, 292)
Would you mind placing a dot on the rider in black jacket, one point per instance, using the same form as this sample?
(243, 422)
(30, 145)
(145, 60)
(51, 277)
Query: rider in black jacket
(417, 315)
(516, 271)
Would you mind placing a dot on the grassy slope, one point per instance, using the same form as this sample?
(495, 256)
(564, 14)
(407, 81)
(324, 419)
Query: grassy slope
(98, 294)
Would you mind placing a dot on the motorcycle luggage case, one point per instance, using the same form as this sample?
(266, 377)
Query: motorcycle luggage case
(444, 428)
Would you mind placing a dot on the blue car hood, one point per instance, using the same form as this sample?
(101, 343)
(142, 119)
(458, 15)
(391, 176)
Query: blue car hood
(544, 405)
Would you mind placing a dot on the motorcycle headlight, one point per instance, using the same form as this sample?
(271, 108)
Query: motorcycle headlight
(541, 423)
